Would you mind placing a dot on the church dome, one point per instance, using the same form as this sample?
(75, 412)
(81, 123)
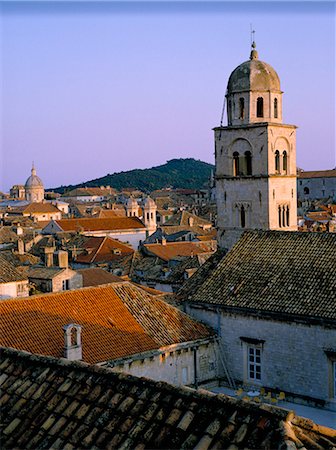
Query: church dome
(149, 203)
(253, 75)
(33, 181)
(132, 203)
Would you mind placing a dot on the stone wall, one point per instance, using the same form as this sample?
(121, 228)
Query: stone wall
(316, 188)
(175, 364)
(293, 354)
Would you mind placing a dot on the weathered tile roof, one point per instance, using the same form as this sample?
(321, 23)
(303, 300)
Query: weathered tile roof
(317, 174)
(96, 276)
(286, 273)
(184, 218)
(110, 213)
(118, 320)
(87, 224)
(44, 273)
(50, 403)
(7, 235)
(40, 208)
(103, 249)
(173, 249)
(8, 272)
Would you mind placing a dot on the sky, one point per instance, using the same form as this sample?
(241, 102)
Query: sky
(90, 88)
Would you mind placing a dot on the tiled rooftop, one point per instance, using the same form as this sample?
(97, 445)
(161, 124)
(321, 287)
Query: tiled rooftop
(49, 403)
(173, 249)
(8, 272)
(288, 273)
(317, 174)
(96, 276)
(118, 320)
(87, 224)
(103, 249)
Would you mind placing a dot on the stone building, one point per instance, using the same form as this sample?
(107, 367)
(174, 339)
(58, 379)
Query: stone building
(272, 299)
(34, 188)
(121, 325)
(13, 283)
(317, 184)
(255, 156)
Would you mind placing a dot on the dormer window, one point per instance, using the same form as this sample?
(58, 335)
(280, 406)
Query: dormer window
(72, 341)
(260, 107)
(241, 108)
(275, 108)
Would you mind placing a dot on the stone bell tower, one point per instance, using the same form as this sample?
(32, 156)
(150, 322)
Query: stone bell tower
(255, 156)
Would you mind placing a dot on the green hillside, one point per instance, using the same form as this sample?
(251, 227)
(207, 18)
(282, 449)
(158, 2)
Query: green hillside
(176, 173)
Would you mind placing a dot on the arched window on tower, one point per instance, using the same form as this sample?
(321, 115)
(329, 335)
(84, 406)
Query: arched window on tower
(306, 190)
(235, 164)
(279, 214)
(241, 108)
(277, 161)
(260, 107)
(242, 217)
(229, 110)
(248, 163)
(287, 216)
(284, 161)
(275, 108)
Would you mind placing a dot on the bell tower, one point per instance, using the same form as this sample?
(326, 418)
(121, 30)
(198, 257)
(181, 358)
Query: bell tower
(255, 156)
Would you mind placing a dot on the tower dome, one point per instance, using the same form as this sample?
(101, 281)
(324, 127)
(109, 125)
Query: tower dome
(253, 92)
(132, 207)
(34, 188)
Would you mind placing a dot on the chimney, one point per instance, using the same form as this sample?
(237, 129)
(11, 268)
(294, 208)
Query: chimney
(20, 247)
(163, 240)
(72, 341)
(62, 259)
(49, 256)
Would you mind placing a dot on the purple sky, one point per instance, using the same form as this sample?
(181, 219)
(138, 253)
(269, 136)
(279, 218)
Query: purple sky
(90, 89)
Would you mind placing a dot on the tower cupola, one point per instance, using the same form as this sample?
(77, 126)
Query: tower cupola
(253, 93)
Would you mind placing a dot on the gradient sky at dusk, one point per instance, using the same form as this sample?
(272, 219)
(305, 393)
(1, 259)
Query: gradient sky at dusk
(96, 88)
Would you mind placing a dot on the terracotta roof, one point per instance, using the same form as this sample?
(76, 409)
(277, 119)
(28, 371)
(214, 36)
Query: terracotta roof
(103, 249)
(118, 320)
(87, 224)
(51, 403)
(97, 276)
(273, 272)
(317, 174)
(8, 272)
(173, 249)
(184, 217)
(89, 191)
(7, 235)
(110, 213)
(37, 208)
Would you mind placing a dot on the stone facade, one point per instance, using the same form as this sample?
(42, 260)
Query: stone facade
(294, 356)
(175, 364)
(255, 157)
(62, 280)
(316, 187)
(14, 289)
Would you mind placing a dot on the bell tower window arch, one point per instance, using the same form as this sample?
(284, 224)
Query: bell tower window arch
(235, 164)
(277, 161)
(275, 108)
(260, 107)
(241, 108)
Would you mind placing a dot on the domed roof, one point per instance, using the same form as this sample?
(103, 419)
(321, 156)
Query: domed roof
(132, 203)
(149, 203)
(253, 75)
(33, 181)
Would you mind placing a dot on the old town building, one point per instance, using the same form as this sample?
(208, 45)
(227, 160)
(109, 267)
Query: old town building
(255, 156)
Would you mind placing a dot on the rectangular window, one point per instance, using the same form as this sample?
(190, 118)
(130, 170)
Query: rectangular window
(254, 363)
(65, 285)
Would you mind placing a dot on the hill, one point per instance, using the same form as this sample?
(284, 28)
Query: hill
(177, 173)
